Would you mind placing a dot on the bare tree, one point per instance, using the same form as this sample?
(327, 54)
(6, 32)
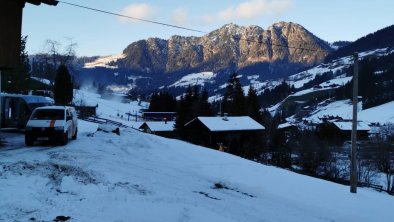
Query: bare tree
(55, 54)
(59, 54)
(385, 164)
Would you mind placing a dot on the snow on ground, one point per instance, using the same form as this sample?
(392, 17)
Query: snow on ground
(42, 80)
(141, 177)
(195, 79)
(107, 108)
(337, 81)
(382, 114)
(104, 61)
(341, 108)
(336, 66)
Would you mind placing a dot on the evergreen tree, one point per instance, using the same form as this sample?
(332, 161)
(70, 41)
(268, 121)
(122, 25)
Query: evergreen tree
(191, 105)
(162, 102)
(63, 88)
(204, 107)
(252, 105)
(234, 98)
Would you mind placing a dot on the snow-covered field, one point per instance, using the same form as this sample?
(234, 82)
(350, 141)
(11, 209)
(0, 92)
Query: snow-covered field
(141, 177)
(380, 114)
(194, 79)
(105, 61)
(107, 108)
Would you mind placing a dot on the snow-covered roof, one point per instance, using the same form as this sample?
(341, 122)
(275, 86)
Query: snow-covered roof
(346, 126)
(29, 98)
(284, 125)
(53, 107)
(160, 126)
(232, 123)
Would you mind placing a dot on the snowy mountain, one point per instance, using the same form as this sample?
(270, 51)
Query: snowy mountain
(141, 177)
(152, 64)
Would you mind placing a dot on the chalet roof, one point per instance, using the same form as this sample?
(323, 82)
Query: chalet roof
(347, 126)
(285, 125)
(233, 123)
(159, 126)
(38, 2)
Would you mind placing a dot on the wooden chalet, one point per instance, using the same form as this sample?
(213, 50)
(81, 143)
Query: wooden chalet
(160, 128)
(158, 116)
(342, 130)
(219, 132)
(288, 130)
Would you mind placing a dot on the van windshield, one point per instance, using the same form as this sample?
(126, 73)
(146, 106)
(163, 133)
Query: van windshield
(48, 114)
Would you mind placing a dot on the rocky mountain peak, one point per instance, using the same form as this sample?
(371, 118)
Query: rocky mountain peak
(230, 47)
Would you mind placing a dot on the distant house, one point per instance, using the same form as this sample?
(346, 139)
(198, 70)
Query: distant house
(345, 129)
(158, 116)
(217, 132)
(160, 128)
(342, 130)
(288, 130)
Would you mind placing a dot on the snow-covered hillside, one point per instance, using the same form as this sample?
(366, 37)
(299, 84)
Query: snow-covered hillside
(337, 66)
(107, 108)
(380, 114)
(105, 62)
(194, 79)
(344, 109)
(141, 177)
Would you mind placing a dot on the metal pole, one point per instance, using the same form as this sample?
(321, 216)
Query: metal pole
(1, 111)
(353, 166)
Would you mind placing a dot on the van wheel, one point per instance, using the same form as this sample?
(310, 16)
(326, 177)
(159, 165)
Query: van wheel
(29, 141)
(75, 135)
(64, 139)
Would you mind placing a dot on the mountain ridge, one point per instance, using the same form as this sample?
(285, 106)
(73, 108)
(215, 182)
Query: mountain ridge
(230, 47)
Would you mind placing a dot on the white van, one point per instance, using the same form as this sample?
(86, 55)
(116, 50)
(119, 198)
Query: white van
(52, 123)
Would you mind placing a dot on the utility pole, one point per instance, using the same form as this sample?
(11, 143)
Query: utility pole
(353, 165)
(1, 111)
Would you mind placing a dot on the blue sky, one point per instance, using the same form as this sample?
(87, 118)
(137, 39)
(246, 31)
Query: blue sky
(101, 34)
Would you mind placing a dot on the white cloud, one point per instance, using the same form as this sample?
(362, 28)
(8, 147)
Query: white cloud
(138, 10)
(255, 8)
(180, 16)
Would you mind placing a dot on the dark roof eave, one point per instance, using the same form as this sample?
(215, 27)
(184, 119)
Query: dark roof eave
(38, 2)
(247, 130)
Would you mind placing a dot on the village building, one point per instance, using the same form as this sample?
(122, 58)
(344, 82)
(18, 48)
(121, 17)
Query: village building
(341, 130)
(158, 116)
(288, 131)
(160, 128)
(222, 132)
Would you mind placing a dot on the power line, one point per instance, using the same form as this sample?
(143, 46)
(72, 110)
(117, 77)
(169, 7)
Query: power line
(185, 28)
(134, 18)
